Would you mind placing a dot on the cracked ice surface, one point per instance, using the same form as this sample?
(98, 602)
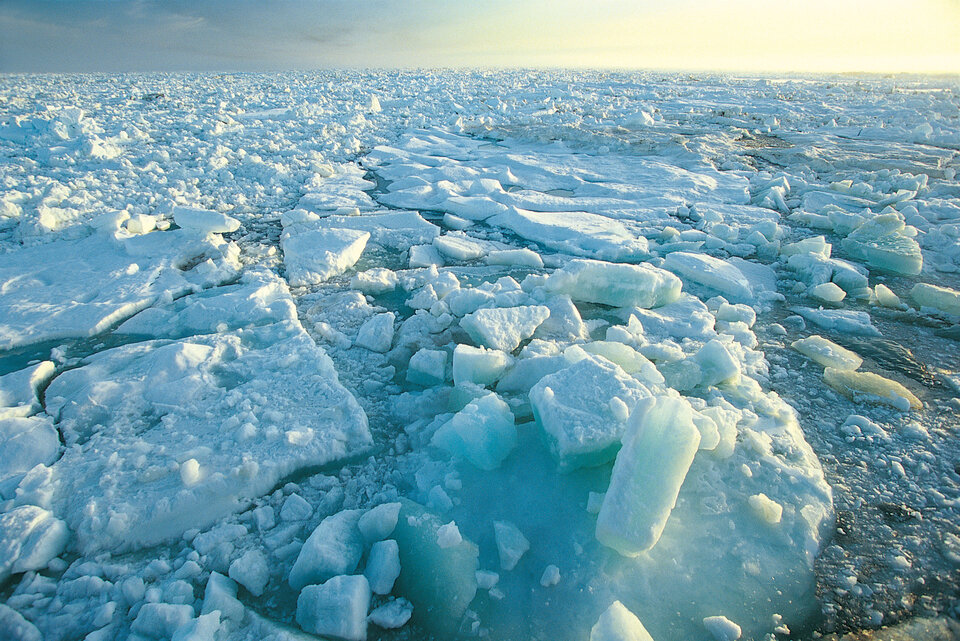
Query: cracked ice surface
(520, 355)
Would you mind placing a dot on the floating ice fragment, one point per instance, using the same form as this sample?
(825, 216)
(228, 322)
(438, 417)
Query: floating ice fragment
(376, 334)
(161, 619)
(378, 523)
(448, 535)
(722, 628)
(827, 353)
(251, 571)
(383, 566)
(516, 257)
(336, 608)
(615, 284)
(204, 220)
(478, 365)
(483, 432)
(30, 537)
(765, 508)
(827, 292)
(886, 297)
(943, 299)
(711, 272)
(511, 544)
(190, 472)
(203, 628)
(881, 242)
(391, 615)
(658, 448)
(26, 443)
(317, 255)
(221, 594)
(617, 623)
(428, 367)
(550, 576)
(868, 386)
(717, 365)
(504, 328)
(335, 547)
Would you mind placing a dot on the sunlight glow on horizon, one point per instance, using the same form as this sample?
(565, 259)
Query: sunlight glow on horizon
(736, 35)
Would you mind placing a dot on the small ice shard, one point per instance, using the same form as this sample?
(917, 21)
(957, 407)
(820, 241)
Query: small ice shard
(478, 365)
(440, 582)
(335, 547)
(827, 292)
(827, 353)
(765, 508)
(383, 566)
(722, 628)
(632, 361)
(943, 299)
(717, 365)
(251, 571)
(856, 425)
(203, 628)
(517, 257)
(317, 255)
(710, 272)
(486, 579)
(336, 608)
(448, 535)
(30, 537)
(392, 615)
(867, 386)
(550, 576)
(203, 220)
(376, 334)
(295, 508)
(221, 594)
(375, 281)
(428, 367)
(511, 544)
(504, 328)
(573, 408)
(161, 620)
(615, 284)
(886, 297)
(881, 243)
(458, 246)
(190, 472)
(378, 523)
(658, 449)
(618, 623)
(483, 432)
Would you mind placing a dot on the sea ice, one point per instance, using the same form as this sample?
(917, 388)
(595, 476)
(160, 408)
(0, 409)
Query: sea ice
(511, 544)
(504, 328)
(383, 566)
(482, 432)
(335, 547)
(317, 255)
(827, 353)
(867, 386)
(617, 623)
(336, 608)
(942, 299)
(710, 272)
(615, 284)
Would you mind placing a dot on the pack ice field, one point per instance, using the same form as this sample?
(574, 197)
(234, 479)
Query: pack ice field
(497, 355)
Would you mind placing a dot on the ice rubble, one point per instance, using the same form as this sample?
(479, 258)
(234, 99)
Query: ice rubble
(567, 317)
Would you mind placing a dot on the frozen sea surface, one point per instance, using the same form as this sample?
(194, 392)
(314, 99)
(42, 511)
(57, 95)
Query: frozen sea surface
(504, 355)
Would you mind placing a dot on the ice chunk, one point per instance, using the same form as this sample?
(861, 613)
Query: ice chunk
(317, 255)
(867, 386)
(459, 246)
(448, 535)
(391, 615)
(440, 582)
(550, 576)
(511, 544)
(504, 328)
(336, 609)
(717, 365)
(710, 272)
(482, 432)
(375, 281)
(25, 443)
(615, 284)
(573, 408)
(886, 297)
(817, 245)
(335, 547)
(632, 361)
(943, 299)
(383, 566)
(203, 628)
(861, 425)
(478, 365)
(161, 620)
(516, 257)
(527, 372)
(397, 230)
(251, 571)
(617, 623)
(203, 220)
(377, 333)
(882, 243)
(377, 523)
(295, 508)
(221, 594)
(722, 628)
(428, 367)
(844, 321)
(827, 292)
(827, 353)
(425, 256)
(765, 508)
(30, 537)
(658, 448)
(564, 322)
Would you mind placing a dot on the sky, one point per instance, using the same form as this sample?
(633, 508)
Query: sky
(248, 35)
